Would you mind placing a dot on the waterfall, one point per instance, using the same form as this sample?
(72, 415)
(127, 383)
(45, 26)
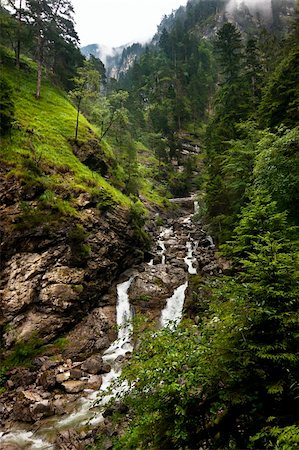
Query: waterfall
(173, 312)
(124, 322)
(120, 347)
(189, 260)
(85, 414)
(162, 251)
(164, 234)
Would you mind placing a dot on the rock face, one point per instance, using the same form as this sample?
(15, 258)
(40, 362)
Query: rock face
(93, 333)
(61, 280)
(48, 284)
(151, 288)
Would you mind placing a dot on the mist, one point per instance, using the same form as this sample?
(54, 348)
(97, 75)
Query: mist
(262, 6)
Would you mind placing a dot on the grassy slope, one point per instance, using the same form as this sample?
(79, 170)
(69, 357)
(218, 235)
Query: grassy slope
(39, 148)
(150, 189)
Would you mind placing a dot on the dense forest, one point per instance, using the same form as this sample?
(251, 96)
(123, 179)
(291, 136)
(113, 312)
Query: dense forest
(228, 85)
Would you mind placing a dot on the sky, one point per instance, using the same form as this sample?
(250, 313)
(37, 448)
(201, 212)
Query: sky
(118, 22)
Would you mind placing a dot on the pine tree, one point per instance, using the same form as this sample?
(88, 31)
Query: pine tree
(51, 21)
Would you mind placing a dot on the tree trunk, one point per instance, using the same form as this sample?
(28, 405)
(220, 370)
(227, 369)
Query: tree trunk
(103, 134)
(77, 123)
(39, 65)
(39, 79)
(18, 49)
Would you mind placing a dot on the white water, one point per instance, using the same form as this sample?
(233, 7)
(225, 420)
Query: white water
(210, 239)
(170, 316)
(189, 260)
(118, 348)
(85, 415)
(161, 243)
(173, 312)
(162, 251)
(24, 439)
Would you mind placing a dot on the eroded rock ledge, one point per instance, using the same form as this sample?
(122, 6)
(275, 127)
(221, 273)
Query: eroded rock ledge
(51, 276)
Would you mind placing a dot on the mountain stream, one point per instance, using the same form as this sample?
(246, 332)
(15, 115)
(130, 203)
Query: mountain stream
(89, 410)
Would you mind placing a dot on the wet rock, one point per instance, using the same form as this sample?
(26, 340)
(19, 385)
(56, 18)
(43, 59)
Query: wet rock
(74, 387)
(106, 368)
(151, 288)
(94, 333)
(76, 374)
(93, 365)
(59, 406)
(22, 377)
(41, 410)
(94, 382)
(68, 440)
(61, 377)
(47, 379)
(30, 406)
(5, 446)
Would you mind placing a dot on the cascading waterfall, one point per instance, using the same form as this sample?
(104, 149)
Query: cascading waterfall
(190, 260)
(163, 235)
(86, 413)
(173, 312)
(120, 347)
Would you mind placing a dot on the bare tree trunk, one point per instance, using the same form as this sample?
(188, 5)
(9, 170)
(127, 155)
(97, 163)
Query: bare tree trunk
(104, 132)
(77, 123)
(39, 65)
(18, 49)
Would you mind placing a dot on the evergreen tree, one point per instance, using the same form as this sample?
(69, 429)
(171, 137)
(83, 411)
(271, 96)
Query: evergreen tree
(51, 21)
(18, 8)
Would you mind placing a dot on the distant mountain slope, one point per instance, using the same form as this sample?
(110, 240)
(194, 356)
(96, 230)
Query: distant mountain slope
(206, 16)
(117, 60)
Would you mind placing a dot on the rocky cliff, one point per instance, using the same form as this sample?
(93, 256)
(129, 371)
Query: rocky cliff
(53, 275)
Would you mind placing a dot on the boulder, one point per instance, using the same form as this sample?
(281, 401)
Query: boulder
(94, 333)
(76, 374)
(64, 376)
(47, 379)
(42, 410)
(74, 387)
(30, 407)
(94, 382)
(93, 365)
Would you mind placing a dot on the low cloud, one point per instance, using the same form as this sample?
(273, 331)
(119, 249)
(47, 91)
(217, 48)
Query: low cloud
(262, 6)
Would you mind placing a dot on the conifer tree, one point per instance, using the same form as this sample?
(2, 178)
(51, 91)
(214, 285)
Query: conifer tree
(51, 20)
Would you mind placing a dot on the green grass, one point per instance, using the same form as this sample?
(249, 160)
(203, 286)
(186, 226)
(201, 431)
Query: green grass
(39, 149)
(148, 167)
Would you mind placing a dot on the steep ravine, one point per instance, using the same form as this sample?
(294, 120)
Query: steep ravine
(65, 385)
